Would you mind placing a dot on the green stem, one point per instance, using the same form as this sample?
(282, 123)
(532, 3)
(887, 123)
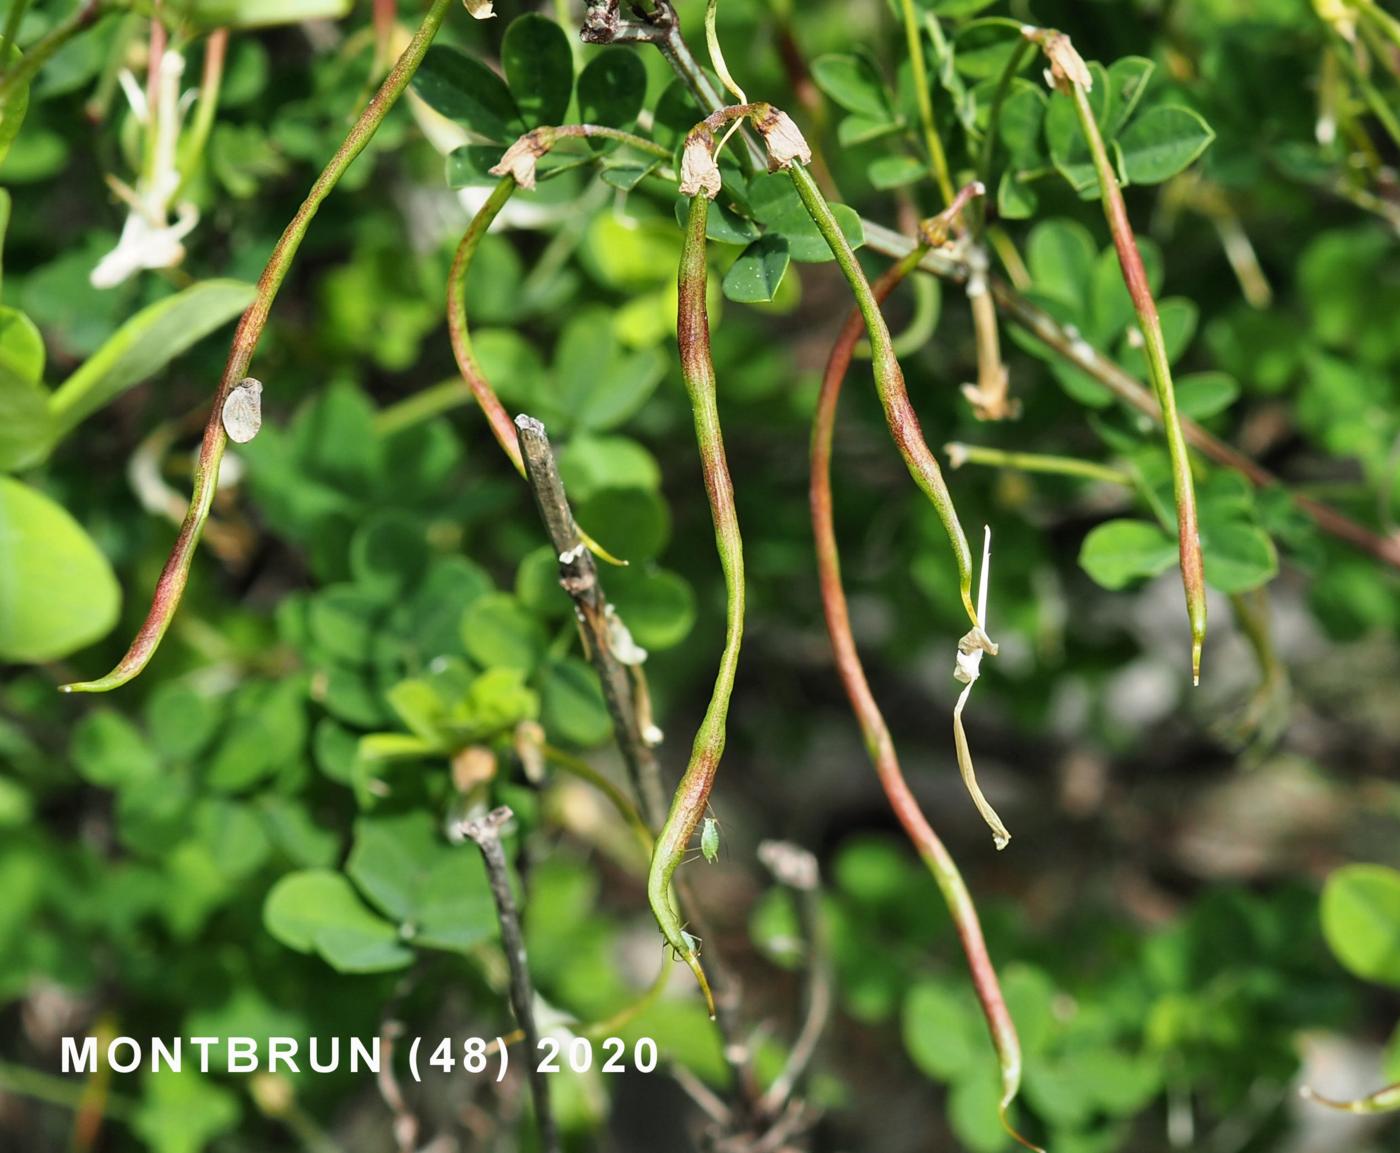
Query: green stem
(14, 20)
(171, 585)
(937, 158)
(989, 142)
(889, 382)
(52, 1090)
(1385, 1100)
(1159, 369)
(578, 767)
(1374, 100)
(692, 795)
(421, 406)
(1381, 19)
(600, 131)
(193, 146)
(958, 454)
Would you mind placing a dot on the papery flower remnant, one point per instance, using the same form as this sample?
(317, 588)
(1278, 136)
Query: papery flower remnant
(149, 237)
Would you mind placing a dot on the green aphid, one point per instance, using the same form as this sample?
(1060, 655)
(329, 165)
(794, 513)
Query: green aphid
(709, 840)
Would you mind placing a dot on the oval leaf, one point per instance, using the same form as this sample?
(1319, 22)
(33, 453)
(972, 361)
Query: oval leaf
(145, 344)
(1123, 551)
(318, 910)
(57, 591)
(1361, 920)
(465, 90)
(754, 278)
(540, 68)
(1161, 142)
(612, 89)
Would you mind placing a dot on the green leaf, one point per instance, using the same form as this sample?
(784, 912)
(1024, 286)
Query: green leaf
(973, 1112)
(1123, 551)
(145, 344)
(941, 1032)
(632, 255)
(183, 1112)
(499, 632)
(626, 175)
(470, 165)
(571, 703)
(1060, 255)
(318, 910)
(436, 891)
(1361, 920)
(776, 205)
(26, 424)
(612, 89)
(658, 606)
(982, 51)
(1022, 121)
(1162, 141)
(495, 701)
(266, 734)
(539, 66)
(631, 523)
(1016, 200)
(464, 89)
(857, 130)
(590, 463)
(1203, 394)
(854, 84)
(1178, 317)
(1127, 78)
(754, 278)
(12, 115)
(110, 752)
(419, 705)
(57, 590)
(389, 554)
(597, 384)
(957, 9)
(1239, 555)
(887, 172)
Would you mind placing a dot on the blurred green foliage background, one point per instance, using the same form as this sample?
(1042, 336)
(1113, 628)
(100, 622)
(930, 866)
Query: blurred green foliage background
(249, 839)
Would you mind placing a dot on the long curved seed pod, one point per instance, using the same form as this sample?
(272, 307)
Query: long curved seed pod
(171, 585)
(692, 795)
(878, 741)
(1070, 75)
(502, 427)
(516, 170)
(903, 421)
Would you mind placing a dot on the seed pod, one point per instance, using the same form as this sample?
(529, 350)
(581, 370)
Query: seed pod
(242, 413)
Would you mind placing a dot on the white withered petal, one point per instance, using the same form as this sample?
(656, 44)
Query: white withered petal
(784, 140)
(699, 172)
(521, 158)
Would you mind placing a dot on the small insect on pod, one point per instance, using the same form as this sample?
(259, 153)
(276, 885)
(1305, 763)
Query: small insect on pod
(242, 412)
(709, 840)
